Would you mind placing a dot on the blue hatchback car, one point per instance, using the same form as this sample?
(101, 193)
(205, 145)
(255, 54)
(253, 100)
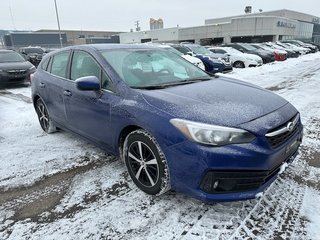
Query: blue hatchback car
(176, 127)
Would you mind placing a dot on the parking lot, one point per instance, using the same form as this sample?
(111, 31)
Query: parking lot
(60, 187)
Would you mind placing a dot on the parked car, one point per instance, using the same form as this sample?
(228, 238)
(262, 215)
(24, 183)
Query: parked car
(279, 55)
(247, 48)
(290, 52)
(14, 68)
(174, 125)
(211, 65)
(301, 50)
(195, 61)
(239, 59)
(201, 51)
(32, 54)
(298, 43)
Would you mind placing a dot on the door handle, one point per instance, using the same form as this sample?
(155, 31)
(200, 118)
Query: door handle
(42, 85)
(67, 93)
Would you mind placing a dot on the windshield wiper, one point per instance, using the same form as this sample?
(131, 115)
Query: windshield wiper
(182, 82)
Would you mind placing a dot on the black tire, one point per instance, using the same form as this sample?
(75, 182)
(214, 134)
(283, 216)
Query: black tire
(239, 64)
(146, 163)
(44, 118)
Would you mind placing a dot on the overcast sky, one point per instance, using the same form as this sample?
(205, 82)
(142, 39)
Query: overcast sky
(119, 15)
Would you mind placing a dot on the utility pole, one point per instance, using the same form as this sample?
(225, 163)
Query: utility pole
(60, 37)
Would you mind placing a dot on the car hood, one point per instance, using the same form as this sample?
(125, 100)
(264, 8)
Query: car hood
(221, 101)
(15, 65)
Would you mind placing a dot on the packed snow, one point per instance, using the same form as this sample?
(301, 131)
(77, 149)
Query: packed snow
(58, 186)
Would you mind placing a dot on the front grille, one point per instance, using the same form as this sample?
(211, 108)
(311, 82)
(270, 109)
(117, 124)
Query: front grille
(233, 181)
(17, 72)
(281, 134)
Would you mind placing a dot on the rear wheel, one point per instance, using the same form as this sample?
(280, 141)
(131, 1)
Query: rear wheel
(146, 163)
(239, 64)
(44, 118)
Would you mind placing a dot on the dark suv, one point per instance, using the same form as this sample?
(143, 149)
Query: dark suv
(247, 48)
(32, 54)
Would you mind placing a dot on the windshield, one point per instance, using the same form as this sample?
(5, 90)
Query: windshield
(10, 57)
(141, 68)
(33, 50)
(247, 46)
(199, 50)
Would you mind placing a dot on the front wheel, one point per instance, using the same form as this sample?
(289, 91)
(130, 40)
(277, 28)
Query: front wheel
(146, 163)
(44, 118)
(239, 64)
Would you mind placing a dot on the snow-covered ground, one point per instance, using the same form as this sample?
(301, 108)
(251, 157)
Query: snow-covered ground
(58, 186)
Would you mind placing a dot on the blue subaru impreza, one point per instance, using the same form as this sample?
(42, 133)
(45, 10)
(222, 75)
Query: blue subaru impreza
(175, 126)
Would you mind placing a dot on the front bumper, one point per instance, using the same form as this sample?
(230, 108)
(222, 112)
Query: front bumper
(242, 170)
(14, 78)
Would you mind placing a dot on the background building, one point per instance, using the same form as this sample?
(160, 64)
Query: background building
(51, 38)
(251, 27)
(156, 23)
(15, 40)
(76, 37)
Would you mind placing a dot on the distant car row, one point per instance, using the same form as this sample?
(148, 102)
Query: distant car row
(17, 67)
(241, 55)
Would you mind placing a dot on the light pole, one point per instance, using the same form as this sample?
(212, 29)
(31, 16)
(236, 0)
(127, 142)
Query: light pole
(60, 38)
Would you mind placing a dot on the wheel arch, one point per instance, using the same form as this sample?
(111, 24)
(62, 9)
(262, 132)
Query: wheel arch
(35, 99)
(239, 61)
(122, 136)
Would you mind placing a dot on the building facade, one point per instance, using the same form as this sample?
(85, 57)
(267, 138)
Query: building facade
(156, 23)
(51, 38)
(15, 40)
(254, 27)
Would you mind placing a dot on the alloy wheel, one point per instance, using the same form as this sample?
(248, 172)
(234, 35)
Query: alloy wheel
(143, 163)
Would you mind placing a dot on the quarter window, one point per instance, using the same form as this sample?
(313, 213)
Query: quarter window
(59, 64)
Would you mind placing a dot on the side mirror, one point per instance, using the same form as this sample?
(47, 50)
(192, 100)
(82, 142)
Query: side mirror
(241, 50)
(190, 53)
(89, 83)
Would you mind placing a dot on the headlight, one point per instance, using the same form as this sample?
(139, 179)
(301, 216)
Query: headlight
(32, 69)
(211, 134)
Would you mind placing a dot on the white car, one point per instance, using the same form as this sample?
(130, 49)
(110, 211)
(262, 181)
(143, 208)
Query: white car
(193, 60)
(239, 59)
(301, 50)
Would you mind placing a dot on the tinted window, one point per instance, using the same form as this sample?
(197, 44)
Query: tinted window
(33, 50)
(59, 64)
(219, 51)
